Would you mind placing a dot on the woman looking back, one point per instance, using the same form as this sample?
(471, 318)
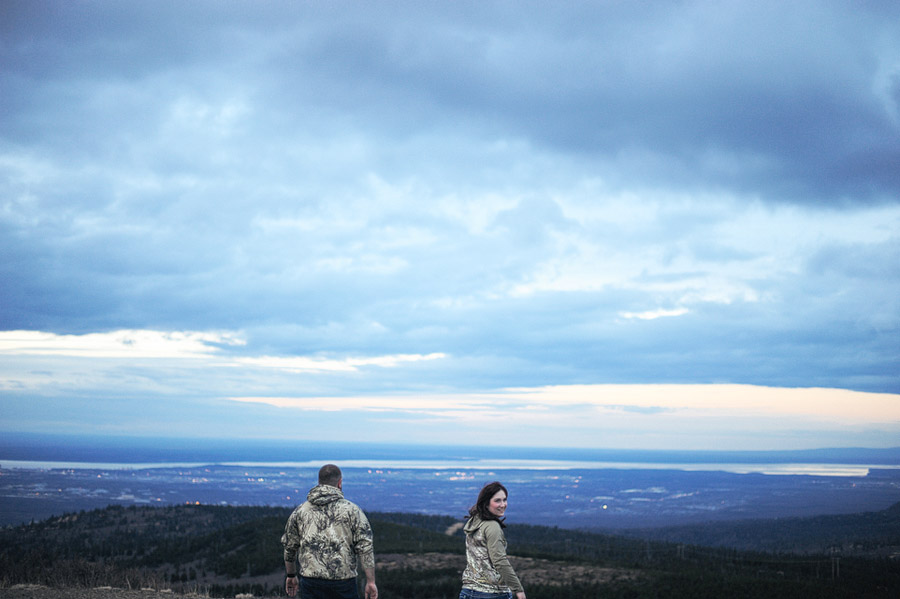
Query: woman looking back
(488, 573)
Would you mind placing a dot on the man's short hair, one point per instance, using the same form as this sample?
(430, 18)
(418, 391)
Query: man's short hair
(329, 474)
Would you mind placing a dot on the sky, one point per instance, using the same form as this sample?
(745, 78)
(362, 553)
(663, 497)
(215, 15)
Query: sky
(656, 225)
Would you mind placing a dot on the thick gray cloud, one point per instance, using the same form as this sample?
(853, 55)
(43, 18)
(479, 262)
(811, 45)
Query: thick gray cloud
(794, 103)
(542, 193)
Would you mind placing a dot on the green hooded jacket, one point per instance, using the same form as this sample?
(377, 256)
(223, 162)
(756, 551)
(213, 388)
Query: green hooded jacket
(327, 533)
(487, 567)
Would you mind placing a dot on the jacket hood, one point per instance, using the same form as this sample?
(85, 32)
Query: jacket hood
(472, 524)
(324, 494)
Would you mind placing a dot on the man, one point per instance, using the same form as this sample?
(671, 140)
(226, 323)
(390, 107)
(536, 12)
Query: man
(329, 533)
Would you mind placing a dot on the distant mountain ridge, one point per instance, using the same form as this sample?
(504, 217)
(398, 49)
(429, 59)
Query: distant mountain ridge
(121, 449)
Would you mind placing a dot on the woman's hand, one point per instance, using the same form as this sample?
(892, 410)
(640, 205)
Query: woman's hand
(520, 595)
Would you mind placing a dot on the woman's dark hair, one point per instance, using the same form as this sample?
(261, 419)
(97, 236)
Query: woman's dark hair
(484, 499)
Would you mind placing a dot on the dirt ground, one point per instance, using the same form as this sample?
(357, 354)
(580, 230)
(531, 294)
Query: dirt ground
(530, 571)
(36, 591)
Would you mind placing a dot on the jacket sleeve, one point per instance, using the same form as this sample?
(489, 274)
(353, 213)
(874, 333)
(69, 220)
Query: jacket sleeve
(496, 546)
(363, 544)
(291, 540)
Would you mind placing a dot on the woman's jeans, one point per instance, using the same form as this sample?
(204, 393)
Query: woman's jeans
(472, 594)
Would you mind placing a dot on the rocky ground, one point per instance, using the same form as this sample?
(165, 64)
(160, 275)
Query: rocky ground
(36, 591)
(530, 570)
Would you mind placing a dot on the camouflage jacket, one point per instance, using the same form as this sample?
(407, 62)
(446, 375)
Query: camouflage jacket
(487, 568)
(328, 533)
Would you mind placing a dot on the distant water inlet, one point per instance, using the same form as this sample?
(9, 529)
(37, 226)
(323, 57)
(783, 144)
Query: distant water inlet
(776, 468)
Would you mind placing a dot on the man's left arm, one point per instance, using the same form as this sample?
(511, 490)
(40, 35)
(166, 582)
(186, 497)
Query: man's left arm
(291, 580)
(290, 540)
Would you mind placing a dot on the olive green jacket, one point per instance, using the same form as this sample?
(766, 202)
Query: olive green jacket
(328, 533)
(487, 566)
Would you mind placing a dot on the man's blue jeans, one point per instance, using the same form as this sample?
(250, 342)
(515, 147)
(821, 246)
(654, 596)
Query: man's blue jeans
(473, 594)
(319, 588)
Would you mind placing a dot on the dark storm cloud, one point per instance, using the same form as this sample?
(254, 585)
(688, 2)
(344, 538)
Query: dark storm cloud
(795, 103)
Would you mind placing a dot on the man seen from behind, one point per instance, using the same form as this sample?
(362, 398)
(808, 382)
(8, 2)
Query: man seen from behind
(327, 534)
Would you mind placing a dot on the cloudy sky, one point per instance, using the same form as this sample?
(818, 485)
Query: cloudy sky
(599, 224)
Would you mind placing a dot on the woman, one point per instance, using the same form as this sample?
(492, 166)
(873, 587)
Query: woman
(488, 574)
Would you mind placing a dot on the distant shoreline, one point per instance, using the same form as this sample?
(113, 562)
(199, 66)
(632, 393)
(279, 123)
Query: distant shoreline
(57, 451)
(566, 493)
(774, 469)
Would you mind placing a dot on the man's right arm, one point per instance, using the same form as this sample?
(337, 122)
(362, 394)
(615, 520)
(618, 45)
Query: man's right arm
(371, 589)
(363, 546)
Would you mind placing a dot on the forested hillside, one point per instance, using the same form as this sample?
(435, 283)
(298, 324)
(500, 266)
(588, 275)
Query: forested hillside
(869, 534)
(223, 551)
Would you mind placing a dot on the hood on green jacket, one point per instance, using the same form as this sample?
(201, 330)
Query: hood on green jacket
(324, 494)
(474, 522)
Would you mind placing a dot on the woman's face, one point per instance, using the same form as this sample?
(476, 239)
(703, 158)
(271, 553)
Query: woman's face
(497, 504)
